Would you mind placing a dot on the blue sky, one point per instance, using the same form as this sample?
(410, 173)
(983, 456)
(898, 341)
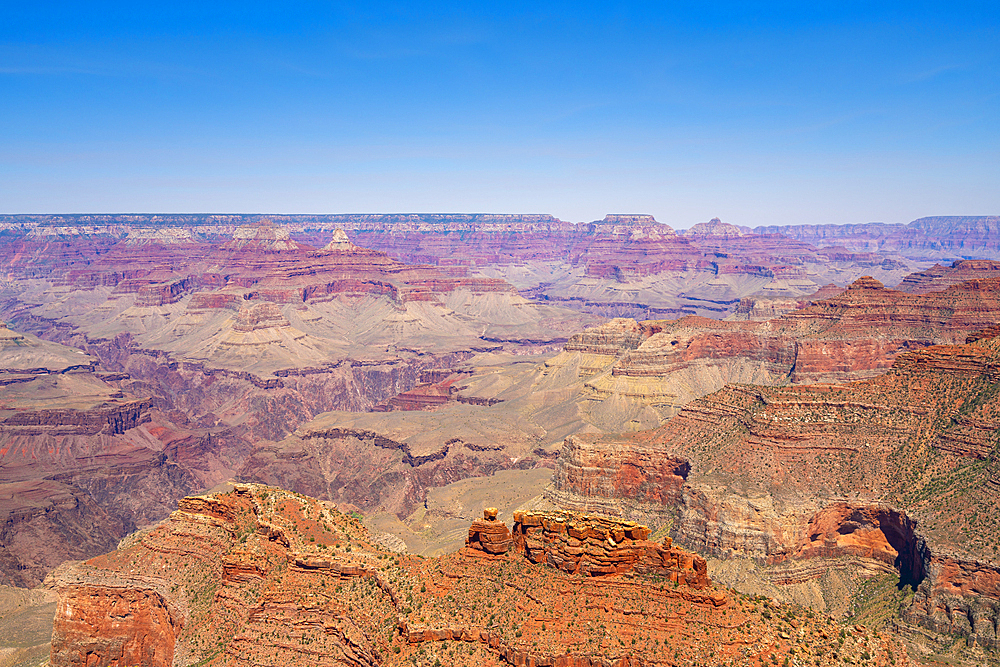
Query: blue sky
(776, 113)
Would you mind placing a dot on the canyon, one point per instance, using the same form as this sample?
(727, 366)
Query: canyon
(187, 354)
(622, 265)
(938, 237)
(790, 423)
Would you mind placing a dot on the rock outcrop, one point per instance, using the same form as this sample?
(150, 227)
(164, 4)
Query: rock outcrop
(488, 534)
(598, 546)
(855, 334)
(263, 576)
(940, 277)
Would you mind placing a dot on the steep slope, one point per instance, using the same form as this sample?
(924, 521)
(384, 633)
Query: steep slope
(261, 576)
(897, 470)
(854, 334)
(192, 350)
(486, 415)
(81, 463)
(940, 277)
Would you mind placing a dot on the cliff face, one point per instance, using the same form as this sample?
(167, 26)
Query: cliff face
(589, 468)
(81, 463)
(200, 346)
(260, 256)
(368, 469)
(598, 546)
(940, 277)
(111, 419)
(127, 627)
(265, 576)
(770, 469)
(855, 334)
(120, 433)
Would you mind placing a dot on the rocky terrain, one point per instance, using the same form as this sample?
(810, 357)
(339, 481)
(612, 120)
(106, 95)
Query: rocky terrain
(81, 462)
(263, 576)
(939, 277)
(147, 368)
(853, 334)
(402, 366)
(896, 473)
(489, 415)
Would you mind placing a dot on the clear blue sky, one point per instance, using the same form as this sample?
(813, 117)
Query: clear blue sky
(777, 113)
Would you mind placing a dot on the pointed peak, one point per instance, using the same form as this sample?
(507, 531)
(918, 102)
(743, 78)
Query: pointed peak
(865, 282)
(339, 242)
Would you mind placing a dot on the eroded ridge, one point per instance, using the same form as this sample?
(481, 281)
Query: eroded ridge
(898, 471)
(261, 576)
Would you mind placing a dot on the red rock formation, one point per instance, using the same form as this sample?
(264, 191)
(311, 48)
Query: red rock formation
(591, 467)
(938, 277)
(260, 256)
(852, 335)
(597, 546)
(259, 316)
(770, 468)
(959, 597)
(263, 576)
(129, 626)
(618, 248)
(422, 397)
(488, 534)
(113, 419)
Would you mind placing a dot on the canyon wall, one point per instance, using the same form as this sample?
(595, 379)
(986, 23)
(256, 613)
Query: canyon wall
(893, 470)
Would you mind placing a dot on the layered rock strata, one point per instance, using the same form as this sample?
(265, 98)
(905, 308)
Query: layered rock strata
(610, 267)
(263, 576)
(598, 546)
(488, 534)
(855, 334)
(82, 463)
(923, 239)
(896, 470)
